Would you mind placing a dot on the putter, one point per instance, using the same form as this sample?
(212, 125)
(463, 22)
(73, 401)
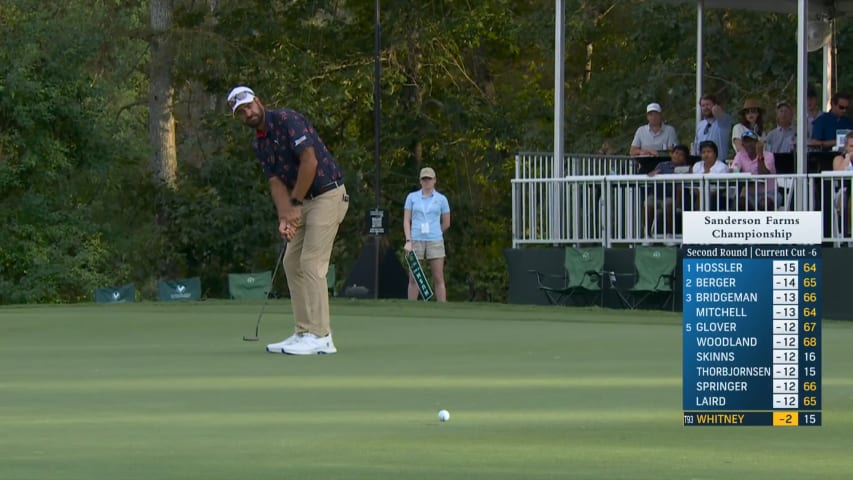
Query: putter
(420, 278)
(255, 337)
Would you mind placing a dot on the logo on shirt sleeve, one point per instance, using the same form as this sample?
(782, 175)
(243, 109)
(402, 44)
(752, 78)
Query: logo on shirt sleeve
(299, 140)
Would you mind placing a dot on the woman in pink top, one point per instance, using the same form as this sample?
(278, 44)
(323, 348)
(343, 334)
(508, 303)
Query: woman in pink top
(754, 160)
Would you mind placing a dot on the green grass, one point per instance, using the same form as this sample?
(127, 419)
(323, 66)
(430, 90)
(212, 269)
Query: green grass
(163, 391)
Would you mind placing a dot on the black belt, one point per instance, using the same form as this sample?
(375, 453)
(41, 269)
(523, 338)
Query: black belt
(325, 188)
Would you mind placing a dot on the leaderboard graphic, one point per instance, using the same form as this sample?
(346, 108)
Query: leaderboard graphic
(751, 328)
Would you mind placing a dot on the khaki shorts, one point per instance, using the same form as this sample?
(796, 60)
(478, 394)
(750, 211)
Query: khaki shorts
(428, 249)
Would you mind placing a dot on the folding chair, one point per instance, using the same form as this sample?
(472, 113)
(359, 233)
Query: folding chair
(582, 274)
(654, 274)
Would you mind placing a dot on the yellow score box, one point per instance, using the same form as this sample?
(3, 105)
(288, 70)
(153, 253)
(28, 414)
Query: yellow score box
(786, 419)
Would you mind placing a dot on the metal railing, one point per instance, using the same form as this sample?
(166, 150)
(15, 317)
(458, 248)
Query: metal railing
(596, 207)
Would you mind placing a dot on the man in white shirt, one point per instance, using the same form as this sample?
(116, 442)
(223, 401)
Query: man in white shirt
(655, 136)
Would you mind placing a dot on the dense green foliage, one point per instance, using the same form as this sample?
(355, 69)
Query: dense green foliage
(464, 86)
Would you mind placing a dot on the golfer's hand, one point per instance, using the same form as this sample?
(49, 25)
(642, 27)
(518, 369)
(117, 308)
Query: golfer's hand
(289, 232)
(408, 247)
(294, 217)
(283, 228)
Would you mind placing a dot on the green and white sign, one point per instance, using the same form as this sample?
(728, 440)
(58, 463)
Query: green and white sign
(123, 293)
(420, 278)
(180, 290)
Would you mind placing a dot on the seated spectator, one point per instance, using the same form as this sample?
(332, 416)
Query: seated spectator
(825, 125)
(709, 162)
(654, 137)
(842, 161)
(665, 195)
(716, 125)
(754, 160)
(750, 117)
(678, 161)
(783, 138)
(842, 199)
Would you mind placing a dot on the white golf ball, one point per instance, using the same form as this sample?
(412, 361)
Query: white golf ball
(443, 415)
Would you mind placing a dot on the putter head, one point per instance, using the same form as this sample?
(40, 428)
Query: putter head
(249, 338)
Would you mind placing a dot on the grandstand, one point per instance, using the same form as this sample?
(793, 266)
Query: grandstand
(601, 200)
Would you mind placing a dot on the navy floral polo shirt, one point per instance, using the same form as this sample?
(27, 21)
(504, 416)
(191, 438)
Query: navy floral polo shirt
(288, 135)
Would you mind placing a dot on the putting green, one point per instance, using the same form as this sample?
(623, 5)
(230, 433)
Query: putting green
(156, 391)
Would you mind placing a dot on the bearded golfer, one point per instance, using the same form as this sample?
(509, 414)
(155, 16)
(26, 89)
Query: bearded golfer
(307, 187)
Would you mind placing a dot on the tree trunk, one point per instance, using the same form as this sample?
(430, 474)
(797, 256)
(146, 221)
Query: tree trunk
(161, 120)
(200, 102)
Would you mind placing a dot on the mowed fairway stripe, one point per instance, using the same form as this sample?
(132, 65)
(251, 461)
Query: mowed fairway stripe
(421, 418)
(332, 382)
(351, 382)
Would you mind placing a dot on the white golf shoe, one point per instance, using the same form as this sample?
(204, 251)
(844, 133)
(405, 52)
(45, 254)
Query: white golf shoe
(310, 344)
(279, 347)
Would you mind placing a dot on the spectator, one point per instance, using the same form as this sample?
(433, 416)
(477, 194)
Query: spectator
(750, 117)
(709, 159)
(654, 137)
(825, 125)
(842, 161)
(754, 160)
(842, 200)
(677, 162)
(812, 110)
(783, 138)
(714, 126)
(709, 163)
(664, 194)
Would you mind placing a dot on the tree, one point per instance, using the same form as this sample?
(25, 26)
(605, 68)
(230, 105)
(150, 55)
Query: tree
(91, 93)
(161, 92)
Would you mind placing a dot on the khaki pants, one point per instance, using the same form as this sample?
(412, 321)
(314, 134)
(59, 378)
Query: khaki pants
(306, 260)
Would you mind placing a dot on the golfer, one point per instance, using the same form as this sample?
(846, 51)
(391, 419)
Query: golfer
(425, 219)
(307, 187)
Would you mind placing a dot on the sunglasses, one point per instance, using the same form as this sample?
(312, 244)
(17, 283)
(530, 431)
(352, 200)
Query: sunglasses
(753, 110)
(426, 178)
(239, 98)
(842, 107)
(707, 129)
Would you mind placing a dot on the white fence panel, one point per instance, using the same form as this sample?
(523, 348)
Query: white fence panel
(590, 206)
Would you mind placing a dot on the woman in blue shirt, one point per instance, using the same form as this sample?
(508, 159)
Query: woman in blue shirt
(425, 219)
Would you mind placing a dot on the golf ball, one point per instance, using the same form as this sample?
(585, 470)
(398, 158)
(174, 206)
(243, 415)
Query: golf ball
(443, 415)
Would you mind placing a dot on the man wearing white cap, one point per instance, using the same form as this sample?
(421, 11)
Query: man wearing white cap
(307, 187)
(426, 216)
(655, 136)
